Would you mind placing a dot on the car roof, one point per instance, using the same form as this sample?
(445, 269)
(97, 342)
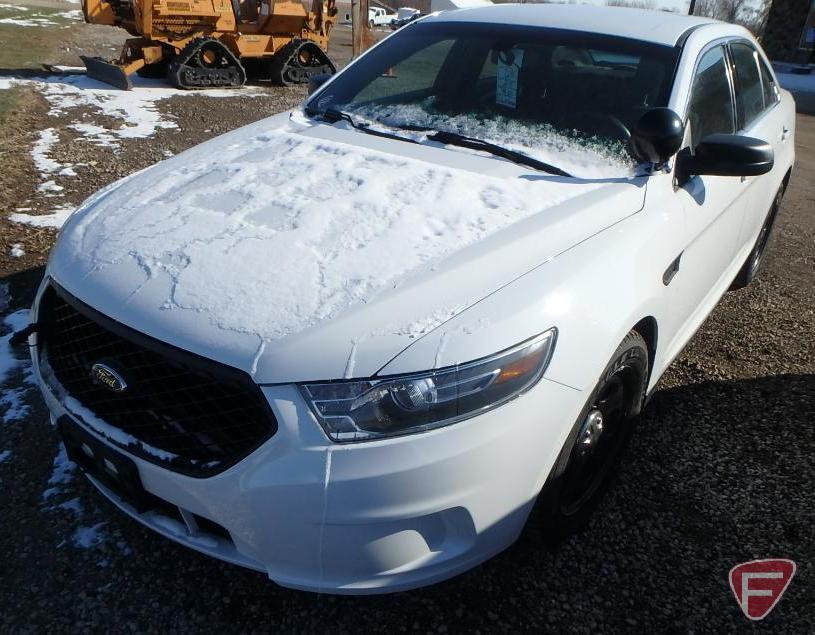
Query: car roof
(659, 27)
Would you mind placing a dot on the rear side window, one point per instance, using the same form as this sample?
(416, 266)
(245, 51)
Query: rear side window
(768, 83)
(750, 94)
(711, 105)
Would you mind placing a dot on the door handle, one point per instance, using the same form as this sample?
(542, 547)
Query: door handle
(785, 133)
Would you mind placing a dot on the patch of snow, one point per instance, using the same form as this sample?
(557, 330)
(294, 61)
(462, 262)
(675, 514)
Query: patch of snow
(136, 109)
(12, 403)
(41, 150)
(97, 135)
(17, 251)
(28, 21)
(54, 220)
(72, 505)
(113, 433)
(73, 14)
(5, 455)
(426, 324)
(343, 224)
(61, 474)
(49, 186)
(582, 157)
(797, 83)
(67, 171)
(89, 537)
(13, 7)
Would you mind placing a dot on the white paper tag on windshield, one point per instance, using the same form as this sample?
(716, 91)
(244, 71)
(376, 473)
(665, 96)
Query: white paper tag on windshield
(506, 87)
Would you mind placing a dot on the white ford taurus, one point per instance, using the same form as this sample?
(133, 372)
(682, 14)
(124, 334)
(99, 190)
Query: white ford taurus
(353, 346)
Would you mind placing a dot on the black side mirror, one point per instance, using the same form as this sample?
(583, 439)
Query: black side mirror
(315, 81)
(657, 135)
(725, 155)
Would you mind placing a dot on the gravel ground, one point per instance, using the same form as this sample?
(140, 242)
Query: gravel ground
(719, 471)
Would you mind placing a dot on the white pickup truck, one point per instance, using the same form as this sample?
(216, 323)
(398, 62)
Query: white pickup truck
(379, 17)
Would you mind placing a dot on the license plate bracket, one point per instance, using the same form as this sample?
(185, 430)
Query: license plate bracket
(105, 464)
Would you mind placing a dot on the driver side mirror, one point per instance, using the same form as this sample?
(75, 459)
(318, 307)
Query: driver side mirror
(725, 155)
(315, 81)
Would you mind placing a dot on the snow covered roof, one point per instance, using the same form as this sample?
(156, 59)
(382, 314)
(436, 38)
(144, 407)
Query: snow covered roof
(659, 27)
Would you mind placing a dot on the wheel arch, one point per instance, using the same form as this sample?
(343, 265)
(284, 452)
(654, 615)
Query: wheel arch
(648, 328)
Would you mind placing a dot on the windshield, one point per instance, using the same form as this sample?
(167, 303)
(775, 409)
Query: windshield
(563, 97)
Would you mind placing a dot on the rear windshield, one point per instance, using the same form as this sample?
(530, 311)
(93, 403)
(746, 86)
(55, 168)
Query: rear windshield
(565, 97)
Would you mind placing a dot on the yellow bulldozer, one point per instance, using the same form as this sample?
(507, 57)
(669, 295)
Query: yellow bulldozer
(213, 43)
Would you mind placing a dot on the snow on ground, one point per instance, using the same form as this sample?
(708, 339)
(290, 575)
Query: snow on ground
(42, 148)
(16, 251)
(61, 474)
(54, 220)
(136, 109)
(89, 537)
(5, 455)
(12, 401)
(23, 16)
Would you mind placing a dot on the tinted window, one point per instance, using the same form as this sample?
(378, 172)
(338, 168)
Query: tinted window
(749, 91)
(768, 83)
(711, 107)
(542, 91)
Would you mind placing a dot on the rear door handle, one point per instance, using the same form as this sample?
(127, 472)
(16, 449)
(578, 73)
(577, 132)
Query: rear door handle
(785, 133)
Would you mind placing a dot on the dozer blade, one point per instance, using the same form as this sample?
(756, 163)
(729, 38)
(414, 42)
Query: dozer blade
(107, 72)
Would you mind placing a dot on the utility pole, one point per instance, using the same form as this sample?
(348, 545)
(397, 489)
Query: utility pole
(361, 36)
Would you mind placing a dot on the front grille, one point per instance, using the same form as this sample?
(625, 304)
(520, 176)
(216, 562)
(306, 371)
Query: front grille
(181, 411)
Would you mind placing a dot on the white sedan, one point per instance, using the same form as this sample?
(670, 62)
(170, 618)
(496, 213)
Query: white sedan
(354, 346)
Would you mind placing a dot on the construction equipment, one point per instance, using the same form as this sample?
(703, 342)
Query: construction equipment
(213, 43)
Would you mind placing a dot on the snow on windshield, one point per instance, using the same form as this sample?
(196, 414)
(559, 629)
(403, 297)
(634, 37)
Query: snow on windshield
(592, 157)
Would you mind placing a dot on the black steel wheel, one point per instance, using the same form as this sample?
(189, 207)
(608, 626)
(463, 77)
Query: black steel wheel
(752, 265)
(593, 448)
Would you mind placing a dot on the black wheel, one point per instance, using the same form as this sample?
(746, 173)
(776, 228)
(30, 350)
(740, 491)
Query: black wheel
(752, 265)
(592, 450)
(370, 24)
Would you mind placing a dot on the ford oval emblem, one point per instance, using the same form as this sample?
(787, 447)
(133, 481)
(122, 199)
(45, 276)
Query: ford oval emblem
(108, 377)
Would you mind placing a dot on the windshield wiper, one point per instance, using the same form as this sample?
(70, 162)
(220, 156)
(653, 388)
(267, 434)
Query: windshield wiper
(456, 139)
(332, 115)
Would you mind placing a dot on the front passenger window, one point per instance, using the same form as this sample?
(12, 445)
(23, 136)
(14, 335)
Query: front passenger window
(710, 110)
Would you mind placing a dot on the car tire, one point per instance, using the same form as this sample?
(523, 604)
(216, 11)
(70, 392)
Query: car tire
(591, 454)
(370, 24)
(751, 267)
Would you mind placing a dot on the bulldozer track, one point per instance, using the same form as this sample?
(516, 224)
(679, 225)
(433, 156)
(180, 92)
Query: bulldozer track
(298, 61)
(206, 63)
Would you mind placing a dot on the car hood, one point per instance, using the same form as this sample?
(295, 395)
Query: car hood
(300, 251)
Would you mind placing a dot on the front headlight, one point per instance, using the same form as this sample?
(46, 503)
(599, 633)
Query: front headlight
(405, 404)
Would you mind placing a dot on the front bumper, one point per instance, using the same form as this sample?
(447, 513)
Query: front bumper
(371, 517)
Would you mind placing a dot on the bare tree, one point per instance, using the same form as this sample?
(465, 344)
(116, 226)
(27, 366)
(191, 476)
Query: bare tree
(751, 14)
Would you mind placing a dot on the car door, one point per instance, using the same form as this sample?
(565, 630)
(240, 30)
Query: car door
(756, 100)
(712, 205)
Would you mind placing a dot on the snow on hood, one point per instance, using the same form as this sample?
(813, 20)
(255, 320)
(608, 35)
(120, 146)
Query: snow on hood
(301, 251)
